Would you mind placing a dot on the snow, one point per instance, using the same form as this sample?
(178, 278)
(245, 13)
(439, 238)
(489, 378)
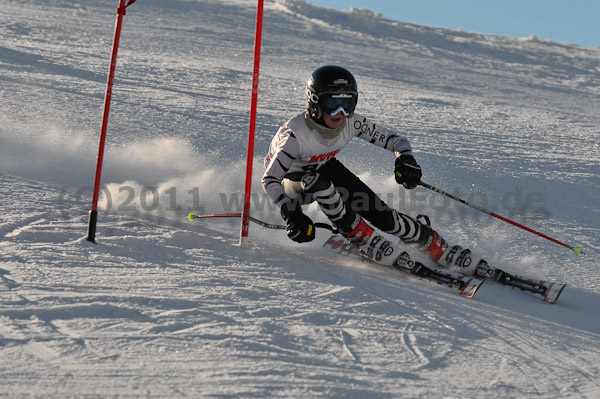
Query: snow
(162, 307)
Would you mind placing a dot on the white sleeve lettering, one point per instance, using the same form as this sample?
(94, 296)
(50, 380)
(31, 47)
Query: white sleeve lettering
(381, 136)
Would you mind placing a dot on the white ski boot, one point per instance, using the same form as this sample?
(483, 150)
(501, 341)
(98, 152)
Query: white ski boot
(463, 261)
(373, 245)
(456, 258)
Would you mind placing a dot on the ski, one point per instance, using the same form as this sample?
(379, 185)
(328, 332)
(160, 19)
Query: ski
(549, 291)
(466, 286)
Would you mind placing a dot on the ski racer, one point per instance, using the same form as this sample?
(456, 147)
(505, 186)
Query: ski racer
(301, 167)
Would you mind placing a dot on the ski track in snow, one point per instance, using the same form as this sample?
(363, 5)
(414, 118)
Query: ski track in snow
(161, 307)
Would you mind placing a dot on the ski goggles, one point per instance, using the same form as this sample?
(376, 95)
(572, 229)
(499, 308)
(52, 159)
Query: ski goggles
(336, 102)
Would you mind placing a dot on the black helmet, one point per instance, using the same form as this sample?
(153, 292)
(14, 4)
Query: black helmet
(330, 88)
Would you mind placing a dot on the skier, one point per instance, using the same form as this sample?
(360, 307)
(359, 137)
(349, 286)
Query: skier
(301, 167)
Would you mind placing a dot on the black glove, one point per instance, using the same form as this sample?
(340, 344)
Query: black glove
(299, 226)
(407, 171)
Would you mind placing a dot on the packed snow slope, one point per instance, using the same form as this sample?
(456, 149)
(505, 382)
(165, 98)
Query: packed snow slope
(162, 307)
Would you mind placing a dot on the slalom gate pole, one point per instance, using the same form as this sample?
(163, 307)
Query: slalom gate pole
(577, 250)
(252, 127)
(109, 84)
(193, 216)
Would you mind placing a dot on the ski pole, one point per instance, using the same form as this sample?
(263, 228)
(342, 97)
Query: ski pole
(577, 250)
(193, 216)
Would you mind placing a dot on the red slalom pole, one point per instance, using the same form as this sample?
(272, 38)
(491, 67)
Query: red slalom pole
(577, 250)
(111, 73)
(252, 128)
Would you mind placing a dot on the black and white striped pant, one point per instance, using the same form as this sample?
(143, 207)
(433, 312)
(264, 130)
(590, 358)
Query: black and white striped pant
(340, 194)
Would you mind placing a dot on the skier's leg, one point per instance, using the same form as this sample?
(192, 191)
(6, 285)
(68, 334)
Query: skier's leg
(409, 230)
(319, 187)
(350, 224)
(370, 206)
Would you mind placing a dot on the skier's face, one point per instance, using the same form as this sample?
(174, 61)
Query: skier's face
(334, 121)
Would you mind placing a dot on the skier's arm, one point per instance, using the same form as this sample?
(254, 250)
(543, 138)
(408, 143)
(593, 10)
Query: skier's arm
(406, 171)
(381, 136)
(282, 154)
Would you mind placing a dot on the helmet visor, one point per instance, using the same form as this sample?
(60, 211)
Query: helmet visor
(336, 102)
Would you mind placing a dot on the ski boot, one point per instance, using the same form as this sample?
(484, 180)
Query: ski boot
(485, 270)
(462, 260)
(371, 244)
(456, 258)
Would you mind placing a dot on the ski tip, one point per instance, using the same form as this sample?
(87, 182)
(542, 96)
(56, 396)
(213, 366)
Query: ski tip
(191, 217)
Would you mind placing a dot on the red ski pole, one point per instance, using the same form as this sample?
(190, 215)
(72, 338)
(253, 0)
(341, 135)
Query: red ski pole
(577, 250)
